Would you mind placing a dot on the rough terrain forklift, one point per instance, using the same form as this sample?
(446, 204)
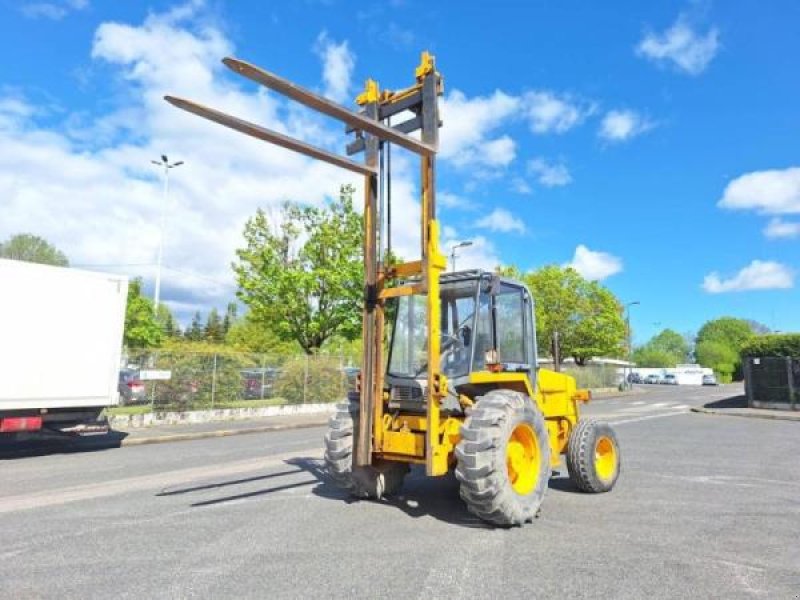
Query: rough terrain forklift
(460, 388)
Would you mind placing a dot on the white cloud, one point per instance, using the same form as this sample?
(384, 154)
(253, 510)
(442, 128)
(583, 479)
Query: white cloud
(549, 174)
(621, 125)
(337, 67)
(469, 136)
(450, 200)
(758, 275)
(52, 10)
(520, 186)
(501, 220)
(98, 198)
(772, 192)
(481, 254)
(466, 137)
(550, 113)
(594, 265)
(778, 228)
(688, 50)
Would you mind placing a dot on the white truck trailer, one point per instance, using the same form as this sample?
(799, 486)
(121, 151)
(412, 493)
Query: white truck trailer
(60, 345)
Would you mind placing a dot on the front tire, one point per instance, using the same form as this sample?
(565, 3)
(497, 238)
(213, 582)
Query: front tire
(504, 458)
(375, 481)
(593, 456)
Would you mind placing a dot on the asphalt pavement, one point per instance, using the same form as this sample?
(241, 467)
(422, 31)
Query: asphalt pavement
(706, 506)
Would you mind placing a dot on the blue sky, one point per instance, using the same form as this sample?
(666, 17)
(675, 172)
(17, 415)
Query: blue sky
(652, 145)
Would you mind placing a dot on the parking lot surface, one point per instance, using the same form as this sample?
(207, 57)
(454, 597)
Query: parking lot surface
(706, 506)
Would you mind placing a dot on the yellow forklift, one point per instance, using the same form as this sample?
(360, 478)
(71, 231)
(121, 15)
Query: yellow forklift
(459, 388)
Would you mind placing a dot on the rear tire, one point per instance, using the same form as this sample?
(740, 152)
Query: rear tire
(593, 456)
(376, 481)
(504, 458)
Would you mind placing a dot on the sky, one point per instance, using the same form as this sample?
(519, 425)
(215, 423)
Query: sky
(652, 146)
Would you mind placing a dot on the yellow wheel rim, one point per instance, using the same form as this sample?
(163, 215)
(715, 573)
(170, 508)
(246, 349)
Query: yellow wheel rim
(522, 459)
(605, 458)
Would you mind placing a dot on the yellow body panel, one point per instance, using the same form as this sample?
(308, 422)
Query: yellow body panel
(555, 394)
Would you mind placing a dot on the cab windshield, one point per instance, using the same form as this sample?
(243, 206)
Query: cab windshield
(408, 354)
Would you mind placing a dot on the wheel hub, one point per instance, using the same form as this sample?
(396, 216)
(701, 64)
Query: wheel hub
(605, 458)
(523, 459)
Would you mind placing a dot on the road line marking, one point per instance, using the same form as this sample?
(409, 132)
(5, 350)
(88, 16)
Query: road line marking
(645, 418)
(116, 487)
(638, 402)
(682, 406)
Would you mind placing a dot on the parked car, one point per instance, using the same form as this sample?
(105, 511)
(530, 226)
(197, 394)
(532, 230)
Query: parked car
(709, 380)
(131, 388)
(653, 378)
(635, 378)
(670, 379)
(258, 382)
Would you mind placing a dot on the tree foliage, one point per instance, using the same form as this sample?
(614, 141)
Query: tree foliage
(32, 248)
(586, 315)
(718, 356)
(142, 329)
(729, 333)
(647, 356)
(214, 330)
(251, 336)
(665, 349)
(775, 344)
(303, 273)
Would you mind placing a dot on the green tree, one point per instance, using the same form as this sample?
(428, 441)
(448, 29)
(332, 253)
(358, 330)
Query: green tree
(303, 273)
(142, 330)
(672, 342)
(195, 331)
(718, 356)
(32, 248)
(647, 356)
(668, 346)
(730, 332)
(167, 321)
(250, 336)
(231, 313)
(213, 331)
(586, 315)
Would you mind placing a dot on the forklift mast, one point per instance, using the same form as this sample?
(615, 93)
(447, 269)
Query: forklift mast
(374, 135)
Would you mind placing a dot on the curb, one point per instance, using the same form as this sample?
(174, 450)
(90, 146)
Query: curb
(201, 435)
(727, 413)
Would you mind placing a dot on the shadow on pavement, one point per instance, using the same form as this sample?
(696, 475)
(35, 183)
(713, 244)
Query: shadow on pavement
(214, 486)
(420, 496)
(732, 402)
(46, 444)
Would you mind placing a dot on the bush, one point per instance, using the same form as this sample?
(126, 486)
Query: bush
(311, 379)
(775, 344)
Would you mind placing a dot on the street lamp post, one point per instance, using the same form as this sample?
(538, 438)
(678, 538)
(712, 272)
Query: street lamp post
(628, 383)
(166, 166)
(453, 252)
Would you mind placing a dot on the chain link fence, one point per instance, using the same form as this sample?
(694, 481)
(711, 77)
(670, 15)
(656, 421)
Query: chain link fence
(171, 380)
(772, 382)
(595, 376)
(179, 380)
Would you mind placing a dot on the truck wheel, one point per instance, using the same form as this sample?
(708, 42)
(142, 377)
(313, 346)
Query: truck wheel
(375, 481)
(504, 458)
(593, 457)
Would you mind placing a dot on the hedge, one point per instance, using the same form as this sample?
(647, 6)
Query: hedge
(774, 344)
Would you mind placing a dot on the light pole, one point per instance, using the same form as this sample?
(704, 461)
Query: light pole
(453, 251)
(166, 165)
(628, 384)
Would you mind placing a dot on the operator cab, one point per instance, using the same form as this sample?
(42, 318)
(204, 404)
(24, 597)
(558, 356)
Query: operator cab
(487, 324)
